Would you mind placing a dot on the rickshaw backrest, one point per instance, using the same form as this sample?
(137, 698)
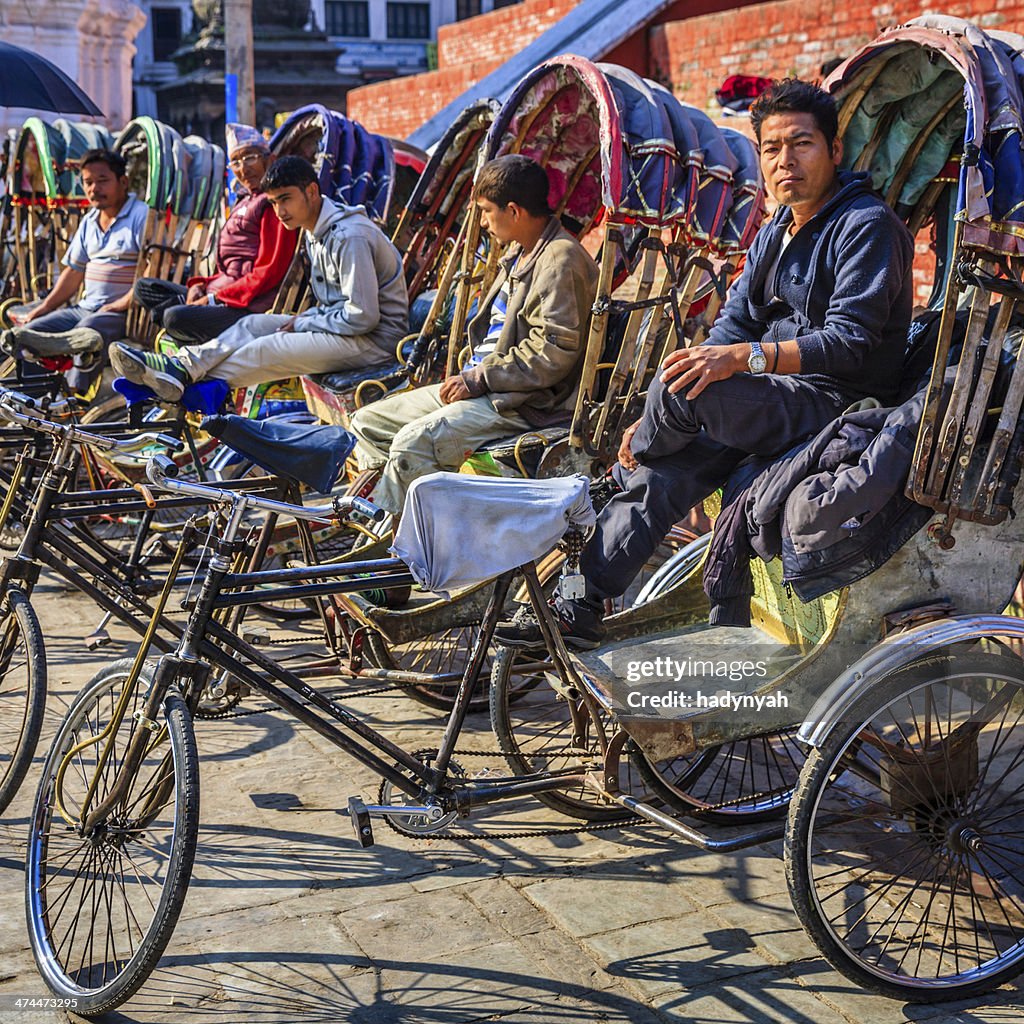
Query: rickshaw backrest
(776, 610)
(293, 293)
(919, 96)
(353, 165)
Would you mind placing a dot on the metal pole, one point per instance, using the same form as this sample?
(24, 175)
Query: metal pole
(239, 60)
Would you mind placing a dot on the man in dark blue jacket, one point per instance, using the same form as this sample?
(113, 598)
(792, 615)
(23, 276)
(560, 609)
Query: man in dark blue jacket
(817, 320)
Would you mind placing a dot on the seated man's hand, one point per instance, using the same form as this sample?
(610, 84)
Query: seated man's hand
(454, 389)
(288, 327)
(23, 318)
(626, 457)
(701, 366)
(196, 295)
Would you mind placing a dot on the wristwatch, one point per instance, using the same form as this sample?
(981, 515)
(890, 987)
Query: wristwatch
(756, 361)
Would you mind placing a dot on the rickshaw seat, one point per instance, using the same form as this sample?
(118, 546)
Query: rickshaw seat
(614, 669)
(348, 380)
(521, 451)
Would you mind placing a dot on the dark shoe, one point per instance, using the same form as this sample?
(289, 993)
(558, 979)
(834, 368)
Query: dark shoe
(164, 375)
(580, 625)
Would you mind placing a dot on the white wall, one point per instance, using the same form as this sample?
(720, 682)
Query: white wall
(377, 51)
(91, 40)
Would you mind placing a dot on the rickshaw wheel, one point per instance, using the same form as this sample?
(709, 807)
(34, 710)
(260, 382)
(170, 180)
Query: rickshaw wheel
(532, 723)
(904, 845)
(446, 651)
(746, 780)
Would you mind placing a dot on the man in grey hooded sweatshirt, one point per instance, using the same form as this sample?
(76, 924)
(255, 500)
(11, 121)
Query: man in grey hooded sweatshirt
(361, 311)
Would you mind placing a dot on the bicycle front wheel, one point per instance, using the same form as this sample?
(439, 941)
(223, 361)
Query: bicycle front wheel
(101, 905)
(22, 692)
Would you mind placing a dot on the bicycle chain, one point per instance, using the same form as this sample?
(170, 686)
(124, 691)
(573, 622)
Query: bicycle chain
(536, 833)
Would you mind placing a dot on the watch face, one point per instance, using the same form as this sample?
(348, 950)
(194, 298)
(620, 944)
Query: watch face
(757, 362)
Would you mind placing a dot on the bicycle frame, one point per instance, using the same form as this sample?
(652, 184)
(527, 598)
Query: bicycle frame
(207, 645)
(53, 537)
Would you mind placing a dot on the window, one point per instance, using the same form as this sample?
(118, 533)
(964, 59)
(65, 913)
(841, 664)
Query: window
(466, 9)
(408, 21)
(348, 18)
(166, 26)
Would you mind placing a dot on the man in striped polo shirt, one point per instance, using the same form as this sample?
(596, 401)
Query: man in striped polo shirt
(103, 255)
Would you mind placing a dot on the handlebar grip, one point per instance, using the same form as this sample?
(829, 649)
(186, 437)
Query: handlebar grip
(368, 509)
(174, 443)
(18, 398)
(164, 465)
(147, 494)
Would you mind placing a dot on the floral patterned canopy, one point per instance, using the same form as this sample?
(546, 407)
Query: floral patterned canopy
(615, 144)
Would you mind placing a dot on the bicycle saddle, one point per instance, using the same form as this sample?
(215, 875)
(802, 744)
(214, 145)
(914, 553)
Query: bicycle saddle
(312, 454)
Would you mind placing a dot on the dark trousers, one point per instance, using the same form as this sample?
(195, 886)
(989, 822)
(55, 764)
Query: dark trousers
(109, 325)
(191, 325)
(688, 449)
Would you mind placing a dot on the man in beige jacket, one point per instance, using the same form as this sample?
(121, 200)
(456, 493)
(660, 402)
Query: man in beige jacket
(527, 342)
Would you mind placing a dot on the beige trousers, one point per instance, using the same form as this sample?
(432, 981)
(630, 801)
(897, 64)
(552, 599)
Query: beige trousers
(414, 433)
(254, 351)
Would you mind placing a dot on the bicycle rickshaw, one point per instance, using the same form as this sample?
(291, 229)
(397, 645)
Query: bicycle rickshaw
(46, 202)
(902, 851)
(673, 201)
(428, 233)
(182, 183)
(902, 846)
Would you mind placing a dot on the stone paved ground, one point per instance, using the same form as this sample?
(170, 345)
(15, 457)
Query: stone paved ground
(288, 920)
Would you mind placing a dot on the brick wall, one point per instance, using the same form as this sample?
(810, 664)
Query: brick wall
(789, 37)
(399, 106)
(795, 37)
(467, 51)
(498, 34)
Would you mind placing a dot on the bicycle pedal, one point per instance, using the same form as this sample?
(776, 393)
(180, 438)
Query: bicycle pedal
(361, 824)
(98, 639)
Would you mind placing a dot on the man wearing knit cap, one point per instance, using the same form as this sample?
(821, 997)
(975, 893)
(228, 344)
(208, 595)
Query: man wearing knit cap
(254, 252)
(361, 308)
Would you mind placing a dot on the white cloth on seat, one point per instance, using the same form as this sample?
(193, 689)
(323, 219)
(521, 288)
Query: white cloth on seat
(458, 530)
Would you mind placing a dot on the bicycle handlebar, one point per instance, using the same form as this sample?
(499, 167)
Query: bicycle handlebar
(26, 402)
(163, 472)
(15, 408)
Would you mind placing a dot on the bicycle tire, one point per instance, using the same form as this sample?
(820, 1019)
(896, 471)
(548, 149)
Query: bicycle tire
(899, 810)
(118, 839)
(531, 723)
(24, 698)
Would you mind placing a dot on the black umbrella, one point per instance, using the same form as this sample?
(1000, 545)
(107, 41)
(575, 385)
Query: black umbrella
(28, 80)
